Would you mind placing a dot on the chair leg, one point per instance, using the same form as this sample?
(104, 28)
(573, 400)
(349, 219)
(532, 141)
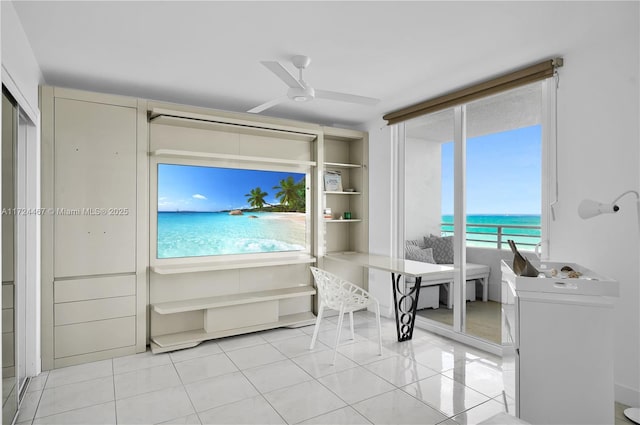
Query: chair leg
(379, 328)
(317, 327)
(353, 334)
(335, 350)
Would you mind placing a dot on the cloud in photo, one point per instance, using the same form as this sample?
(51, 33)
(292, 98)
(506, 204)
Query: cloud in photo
(198, 196)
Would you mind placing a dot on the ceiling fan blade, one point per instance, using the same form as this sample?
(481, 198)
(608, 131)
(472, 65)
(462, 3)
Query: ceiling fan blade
(282, 73)
(344, 97)
(267, 105)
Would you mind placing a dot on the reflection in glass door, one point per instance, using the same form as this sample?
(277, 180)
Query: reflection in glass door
(9, 381)
(429, 198)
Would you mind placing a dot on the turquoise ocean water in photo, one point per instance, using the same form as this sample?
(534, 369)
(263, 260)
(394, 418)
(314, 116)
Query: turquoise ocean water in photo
(194, 234)
(485, 231)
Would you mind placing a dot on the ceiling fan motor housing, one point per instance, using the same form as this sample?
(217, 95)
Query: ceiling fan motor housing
(301, 94)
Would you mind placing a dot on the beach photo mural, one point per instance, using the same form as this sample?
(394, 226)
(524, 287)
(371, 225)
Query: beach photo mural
(206, 211)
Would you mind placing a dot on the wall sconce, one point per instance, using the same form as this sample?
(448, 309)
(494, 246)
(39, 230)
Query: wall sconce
(589, 208)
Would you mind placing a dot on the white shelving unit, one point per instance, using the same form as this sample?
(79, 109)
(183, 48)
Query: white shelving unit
(346, 152)
(230, 265)
(248, 311)
(186, 339)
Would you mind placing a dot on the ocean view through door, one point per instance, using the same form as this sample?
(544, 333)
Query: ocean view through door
(498, 187)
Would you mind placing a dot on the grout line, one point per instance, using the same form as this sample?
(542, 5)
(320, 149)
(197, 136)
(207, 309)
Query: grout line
(69, 410)
(261, 394)
(184, 387)
(115, 400)
(335, 410)
(72, 410)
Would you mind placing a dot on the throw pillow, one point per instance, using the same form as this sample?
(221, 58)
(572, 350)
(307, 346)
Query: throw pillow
(414, 242)
(416, 253)
(442, 248)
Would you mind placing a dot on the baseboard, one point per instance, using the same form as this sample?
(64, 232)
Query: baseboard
(626, 395)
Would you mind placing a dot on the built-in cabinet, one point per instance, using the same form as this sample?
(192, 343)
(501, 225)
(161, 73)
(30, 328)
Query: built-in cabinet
(105, 293)
(93, 293)
(193, 300)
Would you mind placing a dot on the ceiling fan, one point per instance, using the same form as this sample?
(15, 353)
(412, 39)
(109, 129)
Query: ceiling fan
(300, 91)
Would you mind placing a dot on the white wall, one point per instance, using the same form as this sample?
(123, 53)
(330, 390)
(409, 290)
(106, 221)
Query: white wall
(598, 151)
(598, 157)
(20, 70)
(380, 209)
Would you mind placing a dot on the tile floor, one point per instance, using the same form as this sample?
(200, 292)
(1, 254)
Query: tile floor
(272, 377)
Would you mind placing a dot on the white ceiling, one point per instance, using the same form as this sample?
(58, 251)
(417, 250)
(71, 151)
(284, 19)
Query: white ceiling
(208, 53)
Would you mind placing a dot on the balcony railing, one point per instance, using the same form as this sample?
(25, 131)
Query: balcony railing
(497, 235)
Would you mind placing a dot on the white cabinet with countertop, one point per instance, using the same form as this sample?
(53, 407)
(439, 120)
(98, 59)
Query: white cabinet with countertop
(558, 345)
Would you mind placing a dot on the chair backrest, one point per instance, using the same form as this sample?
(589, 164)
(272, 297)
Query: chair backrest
(336, 293)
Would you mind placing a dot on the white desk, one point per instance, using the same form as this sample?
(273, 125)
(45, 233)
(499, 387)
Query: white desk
(406, 301)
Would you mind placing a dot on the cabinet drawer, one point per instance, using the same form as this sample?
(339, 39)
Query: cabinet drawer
(81, 338)
(94, 288)
(87, 311)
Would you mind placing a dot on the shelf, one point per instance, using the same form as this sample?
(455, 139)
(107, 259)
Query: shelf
(233, 264)
(176, 341)
(335, 192)
(341, 165)
(351, 220)
(232, 299)
(173, 153)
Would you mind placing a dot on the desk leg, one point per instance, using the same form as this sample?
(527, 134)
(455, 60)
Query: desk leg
(406, 305)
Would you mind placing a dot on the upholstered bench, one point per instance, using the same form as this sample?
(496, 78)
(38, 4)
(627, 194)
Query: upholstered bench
(439, 250)
(429, 287)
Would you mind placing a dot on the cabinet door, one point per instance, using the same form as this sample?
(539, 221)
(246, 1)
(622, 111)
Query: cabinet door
(95, 191)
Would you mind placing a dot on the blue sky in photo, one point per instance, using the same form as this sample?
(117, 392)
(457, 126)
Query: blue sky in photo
(198, 188)
(503, 173)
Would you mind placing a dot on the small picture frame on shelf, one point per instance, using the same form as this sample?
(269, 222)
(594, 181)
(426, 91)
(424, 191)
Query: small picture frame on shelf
(333, 181)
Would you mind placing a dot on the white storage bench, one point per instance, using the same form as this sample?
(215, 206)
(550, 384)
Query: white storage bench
(430, 286)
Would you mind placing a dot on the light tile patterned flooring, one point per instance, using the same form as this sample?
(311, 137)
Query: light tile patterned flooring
(272, 377)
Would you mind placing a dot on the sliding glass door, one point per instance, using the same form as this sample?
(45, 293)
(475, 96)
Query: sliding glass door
(20, 253)
(429, 198)
(472, 181)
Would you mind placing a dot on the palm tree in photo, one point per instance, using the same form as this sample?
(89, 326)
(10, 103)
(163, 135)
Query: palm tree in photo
(291, 194)
(301, 190)
(256, 197)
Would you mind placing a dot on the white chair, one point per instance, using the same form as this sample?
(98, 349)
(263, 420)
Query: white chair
(338, 294)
